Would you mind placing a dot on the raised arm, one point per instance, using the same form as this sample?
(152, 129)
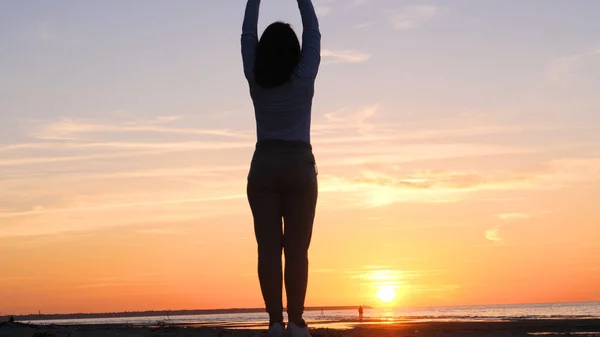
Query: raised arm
(250, 36)
(311, 41)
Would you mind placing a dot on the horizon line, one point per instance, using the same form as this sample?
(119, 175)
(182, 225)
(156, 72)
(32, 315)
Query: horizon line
(308, 308)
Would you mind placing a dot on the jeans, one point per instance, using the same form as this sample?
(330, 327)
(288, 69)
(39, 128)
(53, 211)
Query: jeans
(282, 192)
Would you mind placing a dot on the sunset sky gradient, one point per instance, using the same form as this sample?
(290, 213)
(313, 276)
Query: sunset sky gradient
(458, 147)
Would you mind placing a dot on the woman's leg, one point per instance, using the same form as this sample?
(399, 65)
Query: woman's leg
(299, 203)
(265, 203)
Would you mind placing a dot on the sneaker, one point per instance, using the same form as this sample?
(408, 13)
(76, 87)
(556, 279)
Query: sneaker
(276, 330)
(295, 330)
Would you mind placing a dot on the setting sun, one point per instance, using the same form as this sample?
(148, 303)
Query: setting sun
(386, 293)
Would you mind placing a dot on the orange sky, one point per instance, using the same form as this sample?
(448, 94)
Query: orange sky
(458, 155)
(431, 253)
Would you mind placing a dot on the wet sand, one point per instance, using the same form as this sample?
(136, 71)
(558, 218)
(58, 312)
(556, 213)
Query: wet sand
(557, 327)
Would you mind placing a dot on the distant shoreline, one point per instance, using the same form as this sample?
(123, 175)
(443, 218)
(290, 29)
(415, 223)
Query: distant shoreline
(162, 313)
(156, 313)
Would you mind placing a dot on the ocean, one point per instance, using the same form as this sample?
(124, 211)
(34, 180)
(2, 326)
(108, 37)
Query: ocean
(461, 313)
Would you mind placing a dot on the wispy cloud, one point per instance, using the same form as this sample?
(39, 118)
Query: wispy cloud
(359, 2)
(162, 231)
(377, 267)
(365, 24)
(385, 277)
(344, 56)
(15, 278)
(357, 119)
(111, 206)
(323, 10)
(176, 194)
(70, 140)
(411, 17)
(70, 129)
(378, 188)
(514, 216)
(167, 119)
(562, 69)
(493, 234)
(380, 278)
(72, 158)
(112, 282)
(175, 146)
(107, 285)
(76, 141)
(324, 271)
(124, 172)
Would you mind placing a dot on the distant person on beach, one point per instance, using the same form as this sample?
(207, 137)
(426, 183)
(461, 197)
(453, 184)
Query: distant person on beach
(360, 313)
(11, 319)
(282, 182)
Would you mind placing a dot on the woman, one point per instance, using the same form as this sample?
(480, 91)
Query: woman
(282, 182)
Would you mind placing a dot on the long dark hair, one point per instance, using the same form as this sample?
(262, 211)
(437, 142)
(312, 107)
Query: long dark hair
(277, 55)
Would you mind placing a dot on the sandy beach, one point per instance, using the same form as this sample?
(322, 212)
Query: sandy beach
(571, 327)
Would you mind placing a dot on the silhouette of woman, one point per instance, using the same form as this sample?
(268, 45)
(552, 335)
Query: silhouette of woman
(282, 181)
